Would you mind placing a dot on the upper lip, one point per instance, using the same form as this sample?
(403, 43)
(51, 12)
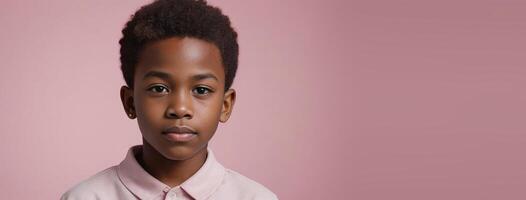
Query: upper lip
(179, 129)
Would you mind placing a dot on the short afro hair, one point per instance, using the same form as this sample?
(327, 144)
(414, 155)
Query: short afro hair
(163, 19)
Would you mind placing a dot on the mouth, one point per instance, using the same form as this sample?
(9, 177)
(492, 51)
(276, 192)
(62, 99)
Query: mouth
(179, 133)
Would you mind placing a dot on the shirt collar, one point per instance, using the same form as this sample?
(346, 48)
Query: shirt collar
(200, 185)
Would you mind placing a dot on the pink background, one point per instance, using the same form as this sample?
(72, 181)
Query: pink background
(336, 99)
(438, 94)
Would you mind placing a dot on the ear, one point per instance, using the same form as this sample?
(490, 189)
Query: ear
(127, 101)
(228, 104)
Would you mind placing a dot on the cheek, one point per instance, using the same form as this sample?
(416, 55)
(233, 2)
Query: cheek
(150, 110)
(209, 110)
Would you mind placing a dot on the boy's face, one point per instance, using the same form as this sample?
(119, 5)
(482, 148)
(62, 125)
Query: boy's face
(179, 82)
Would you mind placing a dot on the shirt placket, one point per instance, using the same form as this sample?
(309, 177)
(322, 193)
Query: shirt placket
(175, 193)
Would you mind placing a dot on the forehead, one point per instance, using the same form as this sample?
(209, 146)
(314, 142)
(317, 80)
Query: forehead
(181, 56)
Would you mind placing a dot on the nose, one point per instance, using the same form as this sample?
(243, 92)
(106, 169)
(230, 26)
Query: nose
(180, 105)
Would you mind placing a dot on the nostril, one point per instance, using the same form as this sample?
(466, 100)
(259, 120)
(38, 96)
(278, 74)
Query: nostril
(175, 115)
(172, 114)
(179, 113)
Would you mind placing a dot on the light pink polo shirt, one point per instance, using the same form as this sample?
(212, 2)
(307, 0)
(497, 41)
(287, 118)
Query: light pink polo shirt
(129, 180)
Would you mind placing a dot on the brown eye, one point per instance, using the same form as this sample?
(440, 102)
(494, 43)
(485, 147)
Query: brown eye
(158, 89)
(202, 90)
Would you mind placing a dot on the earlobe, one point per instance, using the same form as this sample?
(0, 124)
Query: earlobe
(228, 104)
(127, 101)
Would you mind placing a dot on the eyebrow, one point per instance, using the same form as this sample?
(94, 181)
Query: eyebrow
(164, 75)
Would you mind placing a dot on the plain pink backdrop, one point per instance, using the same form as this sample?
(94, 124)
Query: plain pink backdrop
(62, 120)
(438, 99)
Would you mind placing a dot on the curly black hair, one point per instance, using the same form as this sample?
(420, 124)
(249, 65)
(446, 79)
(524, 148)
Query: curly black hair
(164, 19)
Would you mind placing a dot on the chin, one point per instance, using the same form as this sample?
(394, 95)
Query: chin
(181, 152)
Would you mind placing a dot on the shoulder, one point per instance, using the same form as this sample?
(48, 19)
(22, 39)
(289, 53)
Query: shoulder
(91, 187)
(248, 187)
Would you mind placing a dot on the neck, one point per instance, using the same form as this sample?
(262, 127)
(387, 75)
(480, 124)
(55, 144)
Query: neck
(170, 172)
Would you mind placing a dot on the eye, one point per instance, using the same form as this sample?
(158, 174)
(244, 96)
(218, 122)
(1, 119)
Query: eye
(202, 90)
(158, 89)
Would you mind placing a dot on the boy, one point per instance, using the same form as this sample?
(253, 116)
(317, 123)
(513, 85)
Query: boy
(179, 59)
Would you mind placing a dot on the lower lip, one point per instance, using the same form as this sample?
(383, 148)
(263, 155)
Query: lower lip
(179, 137)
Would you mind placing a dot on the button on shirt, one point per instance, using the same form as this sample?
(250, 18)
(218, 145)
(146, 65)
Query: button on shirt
(129, 180)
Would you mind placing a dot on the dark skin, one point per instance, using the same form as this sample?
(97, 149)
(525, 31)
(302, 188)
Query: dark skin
(184, 86)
